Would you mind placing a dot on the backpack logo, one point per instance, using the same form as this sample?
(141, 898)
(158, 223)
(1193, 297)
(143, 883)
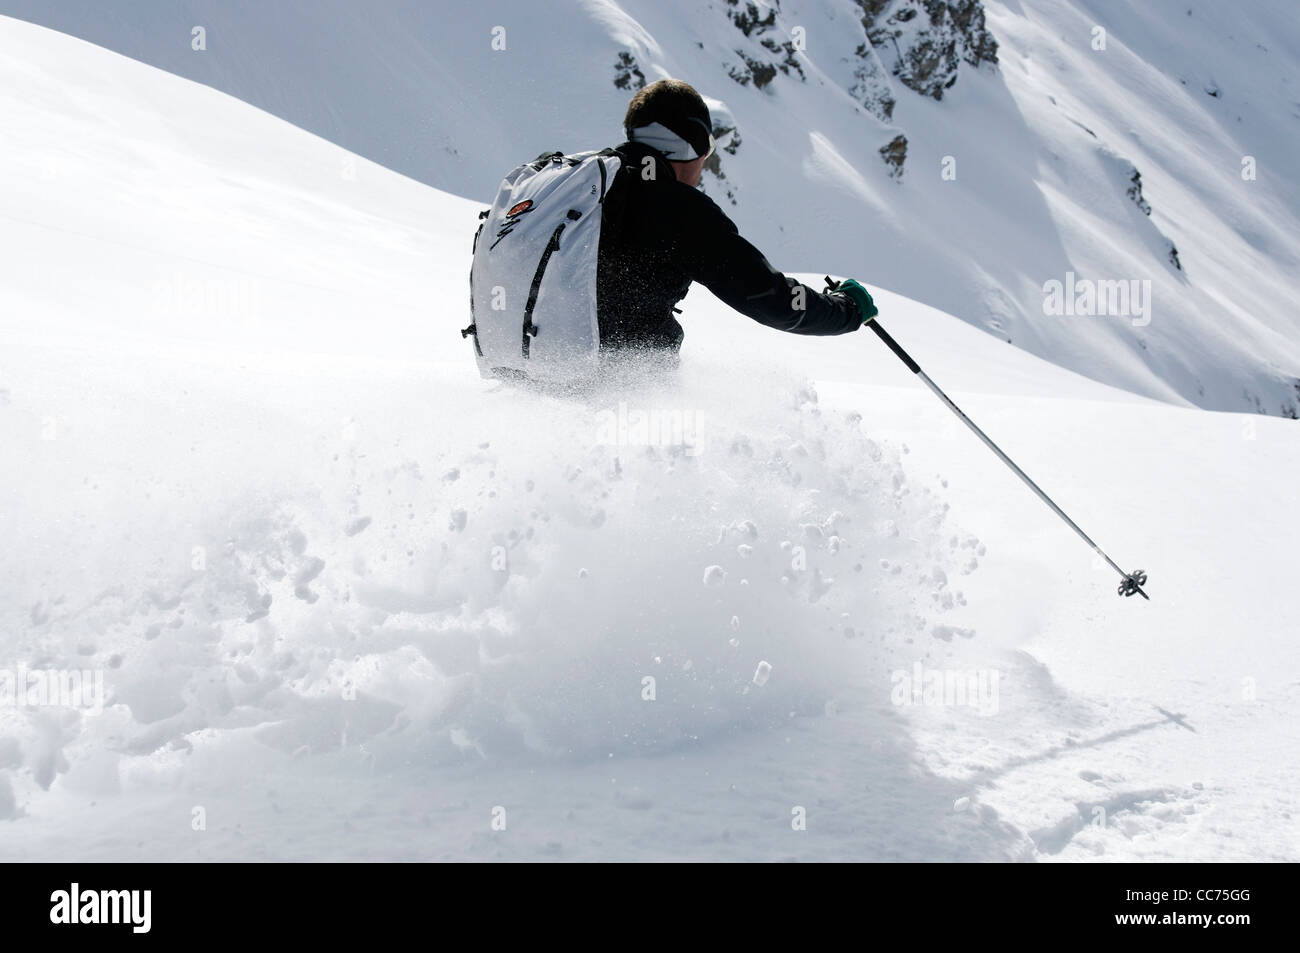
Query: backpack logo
(512, 219)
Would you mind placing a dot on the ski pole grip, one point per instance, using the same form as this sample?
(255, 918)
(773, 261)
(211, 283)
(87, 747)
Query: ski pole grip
(915, 368)
(894, 346)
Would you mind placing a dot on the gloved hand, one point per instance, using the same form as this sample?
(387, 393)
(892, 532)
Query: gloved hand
(853, 290)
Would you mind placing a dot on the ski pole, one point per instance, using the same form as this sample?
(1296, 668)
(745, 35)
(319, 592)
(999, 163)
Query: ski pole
(1132, 581)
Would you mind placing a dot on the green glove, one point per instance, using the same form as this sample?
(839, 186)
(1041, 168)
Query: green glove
(859, 295)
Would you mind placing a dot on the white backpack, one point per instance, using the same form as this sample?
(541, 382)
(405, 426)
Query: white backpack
(533, 281)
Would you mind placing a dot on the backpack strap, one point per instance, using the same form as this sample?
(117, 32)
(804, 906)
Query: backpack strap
(602, 155)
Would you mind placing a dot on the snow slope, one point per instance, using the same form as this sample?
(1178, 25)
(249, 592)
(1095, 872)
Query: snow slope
(349, 601)
(1019, 176)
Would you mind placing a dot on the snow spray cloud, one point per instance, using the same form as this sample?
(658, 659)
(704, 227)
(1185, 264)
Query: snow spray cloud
(590, 592)
(1125, 298)
(480, 576)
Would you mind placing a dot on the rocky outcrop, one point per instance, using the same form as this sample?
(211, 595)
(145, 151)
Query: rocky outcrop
(871, 86)
(923, 42)
(1134, 193)
(894, 153)
(750, 69)
(727, 138)
(769, 52)
(627, 73)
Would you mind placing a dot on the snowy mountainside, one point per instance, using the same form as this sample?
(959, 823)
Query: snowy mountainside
(349, 600)
(987, 158)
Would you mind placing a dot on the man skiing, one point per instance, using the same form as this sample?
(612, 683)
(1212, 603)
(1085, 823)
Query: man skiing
(584, 257)
(660, 233)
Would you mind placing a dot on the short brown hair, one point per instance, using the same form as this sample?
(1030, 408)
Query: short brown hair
(675, 104)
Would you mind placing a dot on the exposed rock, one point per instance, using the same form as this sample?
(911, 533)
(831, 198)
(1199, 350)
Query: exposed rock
(731, 147)
(924, 41)
(871, 85)
(713, 163)
(785, 52)
(1135, 192)
(761, 28)
(627, 74)
(748, 19)
(895, 154)
(751, 69)
(1290, 409)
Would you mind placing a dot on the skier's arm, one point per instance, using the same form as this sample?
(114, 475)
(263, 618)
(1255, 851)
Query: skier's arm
(737, 273)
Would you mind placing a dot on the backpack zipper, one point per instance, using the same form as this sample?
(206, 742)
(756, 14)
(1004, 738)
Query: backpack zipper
(530, 329)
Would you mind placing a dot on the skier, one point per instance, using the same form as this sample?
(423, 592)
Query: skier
(583, 257)
(659, 233)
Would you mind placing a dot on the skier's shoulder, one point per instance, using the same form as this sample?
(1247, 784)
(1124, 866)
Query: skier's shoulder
(701, 204)
(647, 171)
(643, 164)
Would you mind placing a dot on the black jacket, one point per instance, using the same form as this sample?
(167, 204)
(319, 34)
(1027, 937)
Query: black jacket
(657, 235)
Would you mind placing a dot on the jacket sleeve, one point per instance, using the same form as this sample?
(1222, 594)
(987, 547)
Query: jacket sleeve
(739, 275)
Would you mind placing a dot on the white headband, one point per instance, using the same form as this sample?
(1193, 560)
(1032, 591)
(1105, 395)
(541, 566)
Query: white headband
(674, 147)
